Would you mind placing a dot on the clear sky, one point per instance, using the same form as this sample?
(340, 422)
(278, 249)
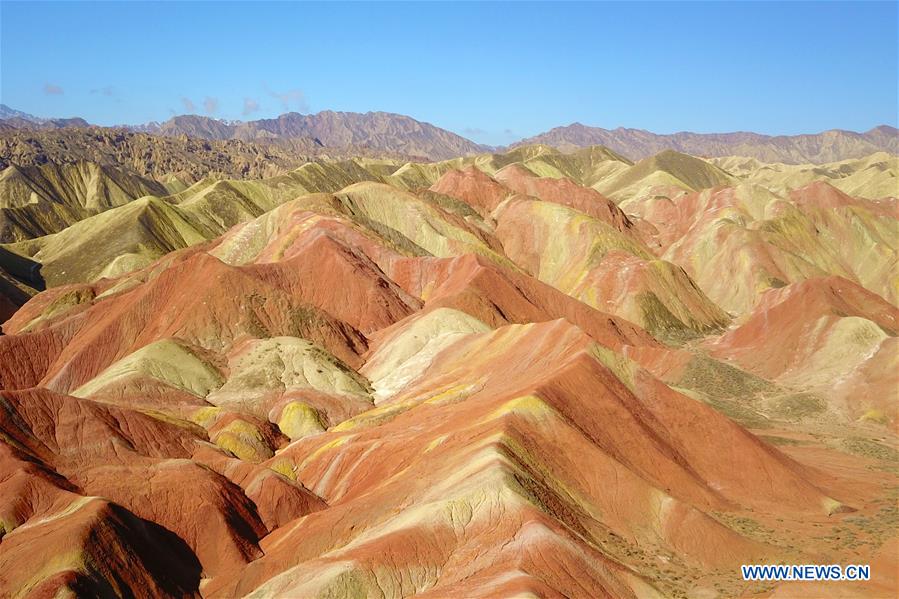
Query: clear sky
(493, 72)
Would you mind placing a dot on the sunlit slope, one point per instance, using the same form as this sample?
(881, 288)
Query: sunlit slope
(668, 169)
(564, 191)
(594, 262)
(327, 384)
(134, 234)
(44, 199)
(873, 177)
(817, 335)
(586, 166)
(497, 439)
(49, 198)
(578, 241)
(113, 242)
(738, 242)
(672, 261)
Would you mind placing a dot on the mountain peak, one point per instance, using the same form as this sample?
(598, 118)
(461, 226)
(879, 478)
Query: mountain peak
(7, 112)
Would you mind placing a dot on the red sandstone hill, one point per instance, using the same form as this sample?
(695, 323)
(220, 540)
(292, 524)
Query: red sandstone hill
(466, 380)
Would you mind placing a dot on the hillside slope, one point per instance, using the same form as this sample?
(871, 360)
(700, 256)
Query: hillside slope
(474, 377)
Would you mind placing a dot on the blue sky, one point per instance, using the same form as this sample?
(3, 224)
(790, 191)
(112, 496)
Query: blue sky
(493, 72)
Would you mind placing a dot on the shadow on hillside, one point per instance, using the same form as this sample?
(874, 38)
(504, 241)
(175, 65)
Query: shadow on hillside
(22, 269)
(20, 278)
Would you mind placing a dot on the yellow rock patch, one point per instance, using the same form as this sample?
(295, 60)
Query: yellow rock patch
(299, 420)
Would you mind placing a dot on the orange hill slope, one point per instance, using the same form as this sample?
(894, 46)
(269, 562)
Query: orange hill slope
(818, 334)
(477, 378)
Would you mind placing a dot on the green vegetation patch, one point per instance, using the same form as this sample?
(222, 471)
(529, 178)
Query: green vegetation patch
(658, 319)
(740, 412)
(351, 584)
(449, 204)
(797, 406)
(747, 527)
(781, 441)
(67, 301)
(871, 449)
(719, 380)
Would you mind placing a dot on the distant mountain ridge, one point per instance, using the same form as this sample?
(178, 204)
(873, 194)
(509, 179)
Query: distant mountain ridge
(161, 157)
(371, 131)
(16, 119)
(396, 134)
(10, 113)
(828, 146)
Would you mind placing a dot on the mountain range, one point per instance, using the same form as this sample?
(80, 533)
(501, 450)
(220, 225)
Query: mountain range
(373, 131)
(517, 373)
(16, 119)
(164, 157)
(394, 134)
(829, 146)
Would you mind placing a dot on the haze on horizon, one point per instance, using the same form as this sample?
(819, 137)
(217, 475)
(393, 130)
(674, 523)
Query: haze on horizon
(493, 72)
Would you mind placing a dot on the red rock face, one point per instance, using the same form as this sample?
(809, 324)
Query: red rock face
(831, 320)
(565, 192)
(821, 194)
(474, 187)
(503, 385)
